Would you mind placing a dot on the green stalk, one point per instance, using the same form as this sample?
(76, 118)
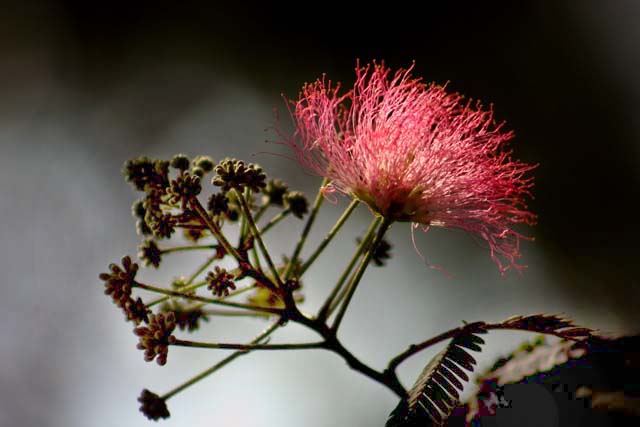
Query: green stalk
(207, 300)
(305, 232)
(331, 301)
(364, 263)
(276, 219)
(258, 237)
(234, 313)
(187, 286)
(258, 339)
(248, 347)
(215, 230)
(334, 230)
(186, 248)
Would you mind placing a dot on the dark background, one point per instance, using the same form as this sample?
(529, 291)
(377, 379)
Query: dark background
(86, 85)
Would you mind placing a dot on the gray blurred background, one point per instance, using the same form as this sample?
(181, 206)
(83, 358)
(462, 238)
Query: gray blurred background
(85, 86)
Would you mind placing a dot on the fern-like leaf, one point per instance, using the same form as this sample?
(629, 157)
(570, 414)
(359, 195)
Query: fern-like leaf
(437, 390)
(611, 367)
(550, 324)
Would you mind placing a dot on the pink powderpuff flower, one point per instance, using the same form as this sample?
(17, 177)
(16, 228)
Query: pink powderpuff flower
(414, 152)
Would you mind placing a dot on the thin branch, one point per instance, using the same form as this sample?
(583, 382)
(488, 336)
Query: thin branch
(207, 300)
(213, 227)
(187, 248)
(258, 237)
(331, 302)
(250, 347)
(305, 232)
(275, 220)
(336, 227)
(188, 285)
(235, 313)
(364, 263)
(416, 348)
(262, 336)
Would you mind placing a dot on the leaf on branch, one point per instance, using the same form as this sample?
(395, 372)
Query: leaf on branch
(610, 365)
(550, 324)
(437, 390)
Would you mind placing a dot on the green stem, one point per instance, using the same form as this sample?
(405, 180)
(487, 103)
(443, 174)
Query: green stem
(364, 263)
(207, 300)
(238, 313)
(336, 227)
(258, 237)
(248, 347)
(305, 232)
(331, 302)
(215, 230)
(187, 286)
(275, 220)
(220, 364)
(187, 248)
(261, 210)
(243, 221)
(183, 289)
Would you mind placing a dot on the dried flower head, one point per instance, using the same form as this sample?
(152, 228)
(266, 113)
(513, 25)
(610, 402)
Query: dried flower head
(119, 281)
(162, 225)
(186, 317)
(297, 202)
(205, 163)
(220, 281)
(150, 253)
(218, 203)
(155, 338)
(180, 162)
(274, 192)
(232, 173)
(153, 406)
(414, 152)
(144, 173)
(184, 188)
(136, 311)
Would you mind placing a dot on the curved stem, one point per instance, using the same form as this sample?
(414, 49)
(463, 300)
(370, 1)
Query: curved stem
(305, 232)
(263, 335)
(332, 343)
(364, 263)
(336, 227)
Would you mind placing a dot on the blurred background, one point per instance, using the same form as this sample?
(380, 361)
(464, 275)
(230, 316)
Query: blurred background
(85, 86)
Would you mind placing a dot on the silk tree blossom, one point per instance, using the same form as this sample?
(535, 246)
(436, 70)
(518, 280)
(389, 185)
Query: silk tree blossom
(414, 152)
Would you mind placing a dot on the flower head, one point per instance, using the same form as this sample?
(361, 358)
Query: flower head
(414, 152)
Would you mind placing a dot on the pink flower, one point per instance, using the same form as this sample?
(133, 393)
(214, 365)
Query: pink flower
(413, 152)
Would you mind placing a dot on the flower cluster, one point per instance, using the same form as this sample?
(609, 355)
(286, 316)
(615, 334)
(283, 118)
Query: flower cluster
(156, 337)
(232, 173)
(415, 152)
(186, 318)
(220, 281)
(153, 406)
(119, 283)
